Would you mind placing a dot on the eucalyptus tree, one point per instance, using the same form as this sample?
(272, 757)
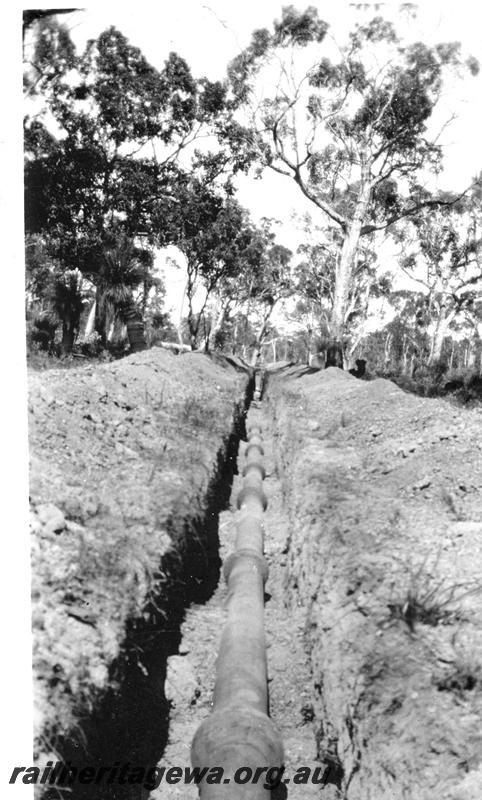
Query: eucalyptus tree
(103, 148)
(262, 279)
(48, 50)
(442, 253)
(315, 282)
(270, 284)
(88, 165)
(348, 123)
(218, 241)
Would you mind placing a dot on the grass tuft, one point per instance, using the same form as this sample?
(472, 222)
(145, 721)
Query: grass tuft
(429, 600)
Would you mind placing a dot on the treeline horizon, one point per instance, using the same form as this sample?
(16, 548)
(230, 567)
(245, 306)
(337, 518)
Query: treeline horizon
(123, 159)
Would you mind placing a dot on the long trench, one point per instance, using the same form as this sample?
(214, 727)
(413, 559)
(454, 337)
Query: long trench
(130, 725)
(191, 672)
(167, 693)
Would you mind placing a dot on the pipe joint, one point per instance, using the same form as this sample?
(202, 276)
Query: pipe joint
(250, 557)
(248, 494)
(254, 466)
(237, 736)
(254, 446)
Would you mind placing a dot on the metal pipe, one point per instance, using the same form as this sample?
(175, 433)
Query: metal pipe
(239, 735)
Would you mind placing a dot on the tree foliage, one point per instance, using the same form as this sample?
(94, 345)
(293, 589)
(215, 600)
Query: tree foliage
(442, 252)
(349, 124)
(102, 154)
(224, 251)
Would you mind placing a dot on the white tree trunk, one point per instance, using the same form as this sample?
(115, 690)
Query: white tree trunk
(439, 334)
(387, 350)
(346, 262)
(179, 323)
(412, 364)
(260, 338)
(90, 324)
(216, 328)
(405, 356)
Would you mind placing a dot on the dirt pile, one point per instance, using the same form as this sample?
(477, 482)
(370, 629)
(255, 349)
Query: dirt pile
(128, 464)
(383, 491)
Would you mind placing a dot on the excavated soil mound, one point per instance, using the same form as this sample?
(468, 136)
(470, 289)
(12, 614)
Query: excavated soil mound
(130, 465)
(383, 492)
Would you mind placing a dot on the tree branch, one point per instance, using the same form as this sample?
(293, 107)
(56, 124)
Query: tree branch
(409, 211)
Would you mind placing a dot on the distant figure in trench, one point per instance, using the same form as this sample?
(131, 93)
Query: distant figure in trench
(360, 370)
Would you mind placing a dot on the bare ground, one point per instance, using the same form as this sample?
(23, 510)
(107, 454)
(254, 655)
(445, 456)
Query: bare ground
(374, 539)
(125, 467)
(383, 493)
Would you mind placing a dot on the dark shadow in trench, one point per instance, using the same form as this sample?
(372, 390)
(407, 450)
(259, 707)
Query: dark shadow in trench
(131, 725)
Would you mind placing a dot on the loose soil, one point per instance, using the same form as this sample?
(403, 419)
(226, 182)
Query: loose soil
(383, 495)
(374, 541)
(130, 465)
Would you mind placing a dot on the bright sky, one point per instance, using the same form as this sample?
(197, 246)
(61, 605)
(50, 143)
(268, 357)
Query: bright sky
(208, 35)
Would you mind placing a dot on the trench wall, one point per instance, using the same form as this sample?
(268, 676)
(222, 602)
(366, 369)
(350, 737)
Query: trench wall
(130, 464)
(383, 493)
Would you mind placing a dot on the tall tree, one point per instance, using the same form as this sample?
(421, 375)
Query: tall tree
(349, 124)
(442, 252)
(271, 284)
(63, 294)
(102, 156)
(218, 240)
(94, 170)
(261, 280)
(122, 268)
(316, 279)
(48, 50)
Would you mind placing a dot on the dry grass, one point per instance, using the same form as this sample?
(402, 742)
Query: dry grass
(430, 600)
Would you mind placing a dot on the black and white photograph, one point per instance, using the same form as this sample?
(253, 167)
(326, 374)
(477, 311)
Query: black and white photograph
(243, 409)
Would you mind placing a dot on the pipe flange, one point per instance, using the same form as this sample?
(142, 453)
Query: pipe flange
(246, 553)
(237, 736)
(254, 466)
(252, 493)
(251, 446)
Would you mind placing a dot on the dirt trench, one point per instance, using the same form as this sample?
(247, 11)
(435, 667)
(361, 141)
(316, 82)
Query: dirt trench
(383, 493)
(131, 465)
(373, 604)
(191, 673)
(374, 600)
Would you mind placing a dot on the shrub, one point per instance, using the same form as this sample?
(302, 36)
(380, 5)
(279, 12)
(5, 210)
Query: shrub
(41, 330)
(90, 345)
(463, 670)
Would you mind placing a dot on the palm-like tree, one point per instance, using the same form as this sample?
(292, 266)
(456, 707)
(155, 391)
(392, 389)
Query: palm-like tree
(68, 298)
(123, 268)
